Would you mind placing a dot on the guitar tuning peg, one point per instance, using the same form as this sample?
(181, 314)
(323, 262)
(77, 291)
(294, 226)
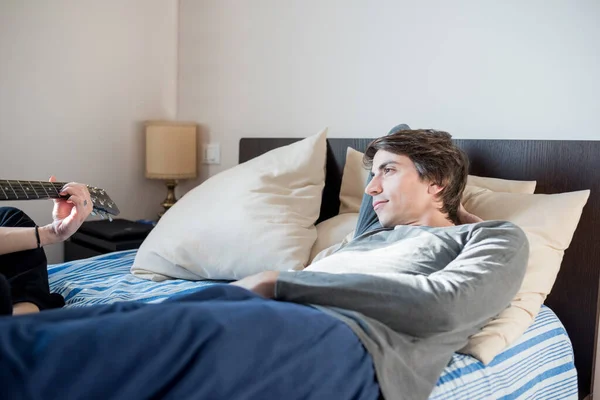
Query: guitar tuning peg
(93, 213)
(102, 214)
(110, 218)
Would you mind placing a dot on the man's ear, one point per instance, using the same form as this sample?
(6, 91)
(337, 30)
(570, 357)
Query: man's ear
(434, 189)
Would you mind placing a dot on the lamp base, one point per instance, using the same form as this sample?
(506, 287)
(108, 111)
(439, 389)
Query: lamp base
(170, 200)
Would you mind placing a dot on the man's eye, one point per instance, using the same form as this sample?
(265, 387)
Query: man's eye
(386, 170)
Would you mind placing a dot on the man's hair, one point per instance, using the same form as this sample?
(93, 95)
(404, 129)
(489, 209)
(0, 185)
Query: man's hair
(436, 158)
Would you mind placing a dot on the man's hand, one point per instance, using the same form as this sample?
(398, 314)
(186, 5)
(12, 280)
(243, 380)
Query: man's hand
(68, 214)
(262, 283)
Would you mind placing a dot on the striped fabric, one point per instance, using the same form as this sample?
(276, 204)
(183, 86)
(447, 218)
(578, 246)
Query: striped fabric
(106, 279)
(539, 366)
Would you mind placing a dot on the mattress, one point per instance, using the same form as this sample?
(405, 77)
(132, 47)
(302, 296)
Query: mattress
(540, 365)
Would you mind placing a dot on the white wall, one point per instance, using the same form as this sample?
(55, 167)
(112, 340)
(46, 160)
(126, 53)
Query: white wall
(478, 69)
(77, 78)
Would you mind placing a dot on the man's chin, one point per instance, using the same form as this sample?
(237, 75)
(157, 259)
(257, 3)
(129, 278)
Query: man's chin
(386, 223)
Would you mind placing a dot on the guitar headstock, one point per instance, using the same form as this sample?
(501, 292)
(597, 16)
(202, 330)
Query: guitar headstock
(103, 205)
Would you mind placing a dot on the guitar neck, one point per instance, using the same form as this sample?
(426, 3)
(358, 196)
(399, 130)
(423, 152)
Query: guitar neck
(29, 190)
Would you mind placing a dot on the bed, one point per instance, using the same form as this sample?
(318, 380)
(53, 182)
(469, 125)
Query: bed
(540, 365)
(105, 279)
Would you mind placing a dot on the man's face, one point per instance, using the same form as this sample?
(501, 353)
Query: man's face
(400, 197)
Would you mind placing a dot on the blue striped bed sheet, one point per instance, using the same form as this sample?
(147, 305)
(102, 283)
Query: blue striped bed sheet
(106, 279)
(539, 366)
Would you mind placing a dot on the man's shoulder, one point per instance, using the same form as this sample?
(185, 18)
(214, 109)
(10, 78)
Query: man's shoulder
(484, 230)
(495, 225)
(483, 225)
(489, 230)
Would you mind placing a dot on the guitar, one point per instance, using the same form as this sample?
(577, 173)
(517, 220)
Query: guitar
(33, 190)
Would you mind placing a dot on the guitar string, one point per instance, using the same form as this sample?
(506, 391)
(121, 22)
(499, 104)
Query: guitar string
(56, 186)
(13, 189)
(24, 190)
(42, 185)
(26, 195)
(34, 190)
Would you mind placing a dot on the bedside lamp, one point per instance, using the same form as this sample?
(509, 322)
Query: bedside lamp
(170, 155)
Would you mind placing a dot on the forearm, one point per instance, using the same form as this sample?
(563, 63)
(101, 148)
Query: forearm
(417, 305)
(19, 239)
(397, 301)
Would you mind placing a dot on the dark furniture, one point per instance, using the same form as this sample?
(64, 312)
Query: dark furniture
(100, 237)
(557, 166)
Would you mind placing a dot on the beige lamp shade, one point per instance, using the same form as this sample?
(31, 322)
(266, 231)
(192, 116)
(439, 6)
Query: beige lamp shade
(170, 150)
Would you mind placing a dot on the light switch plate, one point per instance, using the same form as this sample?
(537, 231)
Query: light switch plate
(211, 153)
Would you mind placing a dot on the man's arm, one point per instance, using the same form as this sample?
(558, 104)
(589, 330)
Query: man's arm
(18, 239)
(474, 287)
(68, 215)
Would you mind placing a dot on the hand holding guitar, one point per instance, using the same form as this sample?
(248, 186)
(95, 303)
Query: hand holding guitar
(68, 213)
(73, 203)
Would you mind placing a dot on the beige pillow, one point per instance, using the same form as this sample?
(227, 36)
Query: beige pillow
(355, 176)
(333, 248)
(256, 216)
(502, 185)
(333, 231)
(549, 221)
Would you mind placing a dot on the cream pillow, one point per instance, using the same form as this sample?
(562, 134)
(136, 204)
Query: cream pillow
(333, 231)
(502, 185)
(549, 221)
(333, 248)
(355, 176)
(256, 216)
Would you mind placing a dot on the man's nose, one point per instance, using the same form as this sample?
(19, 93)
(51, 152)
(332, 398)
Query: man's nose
(374, 187)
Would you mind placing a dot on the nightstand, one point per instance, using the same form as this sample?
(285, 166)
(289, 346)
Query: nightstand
(100, 237)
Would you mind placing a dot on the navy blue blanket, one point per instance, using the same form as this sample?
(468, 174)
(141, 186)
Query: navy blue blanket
(222, 342)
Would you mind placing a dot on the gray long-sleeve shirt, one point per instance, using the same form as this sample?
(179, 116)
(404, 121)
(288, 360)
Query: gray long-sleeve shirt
(414, 294)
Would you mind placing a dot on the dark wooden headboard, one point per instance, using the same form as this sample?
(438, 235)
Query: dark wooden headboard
(557, 166)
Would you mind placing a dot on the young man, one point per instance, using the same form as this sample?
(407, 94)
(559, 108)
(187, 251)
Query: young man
(415, 289)
(411, 291)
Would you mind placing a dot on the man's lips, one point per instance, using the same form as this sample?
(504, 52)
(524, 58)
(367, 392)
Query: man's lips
(377, 204)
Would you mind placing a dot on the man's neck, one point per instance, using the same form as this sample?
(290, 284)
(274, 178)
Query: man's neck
(434, 219)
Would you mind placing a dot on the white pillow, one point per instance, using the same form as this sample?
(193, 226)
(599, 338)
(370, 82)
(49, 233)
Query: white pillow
(333, 231)
(256, 216)
(355, 176)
